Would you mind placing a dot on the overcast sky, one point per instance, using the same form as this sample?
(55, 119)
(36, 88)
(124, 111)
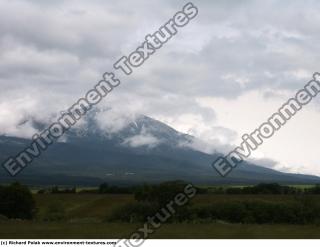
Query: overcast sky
(222, 76)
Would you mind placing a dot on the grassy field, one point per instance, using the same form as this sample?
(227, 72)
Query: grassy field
(86, 214)
(77, 230)
(83, 206)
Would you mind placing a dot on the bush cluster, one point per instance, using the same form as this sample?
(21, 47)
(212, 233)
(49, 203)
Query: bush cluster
(16, 201)
(149, 200)
(300, 211)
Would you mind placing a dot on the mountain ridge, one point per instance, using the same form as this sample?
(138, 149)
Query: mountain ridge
(144, 150)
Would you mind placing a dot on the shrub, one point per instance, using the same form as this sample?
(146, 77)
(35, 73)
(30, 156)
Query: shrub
(16, 201)
(3, 218)
(264, 188)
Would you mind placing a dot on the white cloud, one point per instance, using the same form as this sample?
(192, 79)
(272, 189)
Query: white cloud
(142, 139)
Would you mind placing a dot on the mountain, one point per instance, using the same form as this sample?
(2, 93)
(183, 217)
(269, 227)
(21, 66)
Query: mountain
(142, 150)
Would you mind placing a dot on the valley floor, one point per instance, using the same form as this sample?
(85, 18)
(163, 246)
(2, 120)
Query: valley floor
(85, 218)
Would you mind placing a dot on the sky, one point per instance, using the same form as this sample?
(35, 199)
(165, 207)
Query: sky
(220, 77)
